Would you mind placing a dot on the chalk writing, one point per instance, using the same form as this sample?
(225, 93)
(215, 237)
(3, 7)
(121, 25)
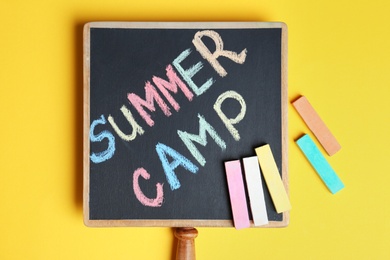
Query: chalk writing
(169, 167)
(229, 122)
(157, 202)
(151, 95)
(189, 73)
(201, 138)
(158, 95)
(172, 85)
(107, 154)
(219, 51)
(136, 128)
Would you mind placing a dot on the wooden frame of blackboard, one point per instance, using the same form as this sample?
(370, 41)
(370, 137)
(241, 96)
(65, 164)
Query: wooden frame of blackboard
(179, 25)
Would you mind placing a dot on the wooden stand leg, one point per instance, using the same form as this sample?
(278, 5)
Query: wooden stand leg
(186, 243)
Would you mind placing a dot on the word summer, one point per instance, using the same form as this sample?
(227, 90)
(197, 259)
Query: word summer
(160, 93)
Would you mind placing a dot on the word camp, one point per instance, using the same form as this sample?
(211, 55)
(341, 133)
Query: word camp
(154, 93)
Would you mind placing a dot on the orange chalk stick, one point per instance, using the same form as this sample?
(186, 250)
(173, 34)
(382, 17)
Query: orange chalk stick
(316, 125)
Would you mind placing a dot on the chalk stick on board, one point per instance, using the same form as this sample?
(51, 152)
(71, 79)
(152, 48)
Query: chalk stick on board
(255, 191)
(319, 163)
(316, 125)
(237, 194)
(272, 178)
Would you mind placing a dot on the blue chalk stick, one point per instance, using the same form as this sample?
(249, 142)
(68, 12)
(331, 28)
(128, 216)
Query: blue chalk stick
(319, 163)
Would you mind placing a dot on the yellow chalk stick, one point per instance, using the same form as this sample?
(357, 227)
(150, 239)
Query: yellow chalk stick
(272, 178)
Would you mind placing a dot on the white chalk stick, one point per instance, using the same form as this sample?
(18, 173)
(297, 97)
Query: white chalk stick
(255, 190)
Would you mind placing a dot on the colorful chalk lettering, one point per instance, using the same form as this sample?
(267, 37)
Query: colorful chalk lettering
(189, 73)
(229, 122)
(169, 167)
(172, 85)
(154, 97)
(151, 95)
(201, 138)
(136, 128)
(219, 51)
(109, 152)
(156, 202)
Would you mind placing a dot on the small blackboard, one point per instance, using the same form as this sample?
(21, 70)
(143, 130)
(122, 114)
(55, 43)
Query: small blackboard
(165, 105)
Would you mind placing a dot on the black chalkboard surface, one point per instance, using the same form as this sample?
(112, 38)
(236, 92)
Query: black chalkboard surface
(165, 105)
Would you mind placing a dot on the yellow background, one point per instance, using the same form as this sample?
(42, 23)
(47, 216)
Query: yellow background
(339, 57)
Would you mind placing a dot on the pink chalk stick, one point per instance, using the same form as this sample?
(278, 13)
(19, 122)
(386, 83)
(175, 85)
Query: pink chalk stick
(237, 194)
